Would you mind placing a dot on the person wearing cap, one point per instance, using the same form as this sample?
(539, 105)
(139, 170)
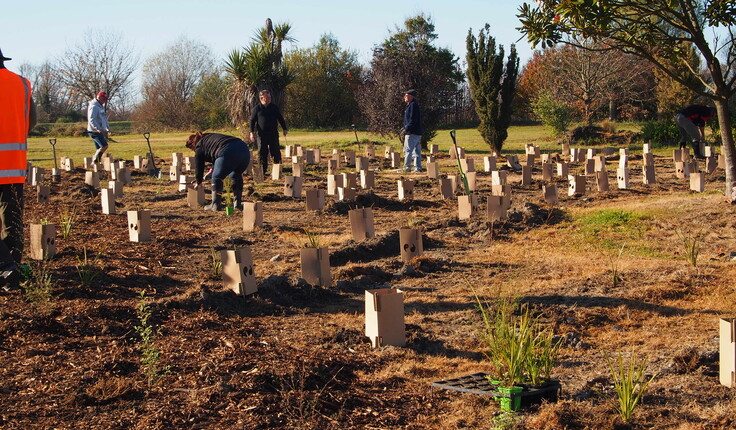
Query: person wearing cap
(691, 122)
(412, 132)
(17, 118)
(97, 125)
(265, 122)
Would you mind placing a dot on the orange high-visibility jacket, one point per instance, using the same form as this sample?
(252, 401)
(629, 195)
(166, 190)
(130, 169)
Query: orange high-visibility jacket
(15, 108)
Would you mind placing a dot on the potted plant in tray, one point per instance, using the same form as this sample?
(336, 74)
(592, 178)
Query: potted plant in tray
(520, 352)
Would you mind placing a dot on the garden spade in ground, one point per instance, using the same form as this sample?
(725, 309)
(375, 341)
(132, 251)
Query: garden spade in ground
(356, 137)
(459, 165)
(152, 169)
(55, 175)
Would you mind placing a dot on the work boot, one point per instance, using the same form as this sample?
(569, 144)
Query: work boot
(696, 151)
(10, 277)
(238, 196)
(216, 204)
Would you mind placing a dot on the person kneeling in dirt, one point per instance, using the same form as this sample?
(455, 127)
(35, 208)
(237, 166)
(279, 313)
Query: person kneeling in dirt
(230, 157)
(691, 121)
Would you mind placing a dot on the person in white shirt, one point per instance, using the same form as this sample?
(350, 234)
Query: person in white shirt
(97, 125)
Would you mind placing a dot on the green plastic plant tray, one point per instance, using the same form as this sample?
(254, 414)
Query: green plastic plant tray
(479, 383)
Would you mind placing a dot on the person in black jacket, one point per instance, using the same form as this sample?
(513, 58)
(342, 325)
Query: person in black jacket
(230, 157)
(412, 131)
(691, 121)
(265, 120)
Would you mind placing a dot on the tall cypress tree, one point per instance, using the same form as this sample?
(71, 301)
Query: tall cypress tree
(492, 86)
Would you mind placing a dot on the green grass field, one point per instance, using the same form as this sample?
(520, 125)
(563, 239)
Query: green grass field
(164, 144)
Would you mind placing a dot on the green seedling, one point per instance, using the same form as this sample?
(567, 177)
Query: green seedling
(88, 269)
(630, 382)
(151, 359)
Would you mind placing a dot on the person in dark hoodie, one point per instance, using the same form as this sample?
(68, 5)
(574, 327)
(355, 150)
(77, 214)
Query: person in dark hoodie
(691, 121)
(264, 125)
(230, 157)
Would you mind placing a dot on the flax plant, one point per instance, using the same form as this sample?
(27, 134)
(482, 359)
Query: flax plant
(630, 382)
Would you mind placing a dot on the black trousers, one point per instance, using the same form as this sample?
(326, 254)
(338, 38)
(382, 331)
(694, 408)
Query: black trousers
(11, 217)
(269, 146)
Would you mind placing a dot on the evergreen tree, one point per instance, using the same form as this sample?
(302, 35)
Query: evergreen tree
(492, 85)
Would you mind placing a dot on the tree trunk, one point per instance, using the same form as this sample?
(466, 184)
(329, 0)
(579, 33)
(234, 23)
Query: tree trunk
(727, 145)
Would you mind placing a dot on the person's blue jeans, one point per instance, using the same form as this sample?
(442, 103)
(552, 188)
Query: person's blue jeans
(413, 150)
(232, 161)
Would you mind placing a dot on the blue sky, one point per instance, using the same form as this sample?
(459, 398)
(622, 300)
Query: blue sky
(36, 30)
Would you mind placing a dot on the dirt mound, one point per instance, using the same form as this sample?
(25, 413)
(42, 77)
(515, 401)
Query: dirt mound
(371, 200)
(586, 132)
(368, 250)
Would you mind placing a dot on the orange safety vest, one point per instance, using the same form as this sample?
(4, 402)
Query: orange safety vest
(15, 111)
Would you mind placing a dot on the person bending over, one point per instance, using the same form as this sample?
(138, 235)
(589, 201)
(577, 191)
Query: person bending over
(691, 122)
(230, 157)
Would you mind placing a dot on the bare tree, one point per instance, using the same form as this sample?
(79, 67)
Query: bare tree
(596, 76)
(170, 79)
(101, 62)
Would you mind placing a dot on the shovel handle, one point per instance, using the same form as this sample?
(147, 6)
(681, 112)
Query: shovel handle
(52, 141)
(146, 134)
(452, 135)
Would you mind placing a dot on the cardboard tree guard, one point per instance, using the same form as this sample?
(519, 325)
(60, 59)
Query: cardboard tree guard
(526, 174)
(117, 188)
(622, 177)
(333, 183)
(445, 188)
(550, 194)
(563, 170)
(43, 241)
(395, 160)
(406, 189)
(316, 266)
(252, 215)
(472, 181)
(108, 201)
(489, 163)
(344, 194)
(293, 186)
(697, 182)
(315, 200)
(496, 210)
(648, 177)
(433, 170)
(237, 271)
(576, 186)
(361, 224)
(547, 171)
(276, 171)
(195, 197)
(139, 226)
(466, 206)
(367, 179)
(42, 193)
(601, 180)
(410, 242)
(384, 317)
(727, 352)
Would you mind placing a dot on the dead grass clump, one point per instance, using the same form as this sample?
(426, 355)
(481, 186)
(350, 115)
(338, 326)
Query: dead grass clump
(564, 414)
(428, 264)
(372, 272)
(106, 390)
